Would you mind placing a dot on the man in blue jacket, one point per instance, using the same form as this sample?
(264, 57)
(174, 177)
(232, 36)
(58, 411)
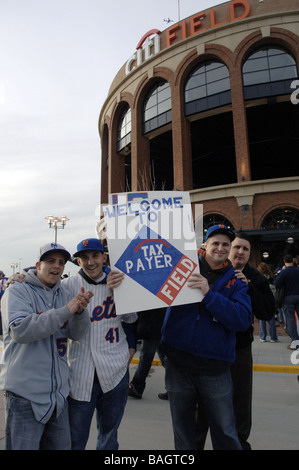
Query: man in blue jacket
(199, 343)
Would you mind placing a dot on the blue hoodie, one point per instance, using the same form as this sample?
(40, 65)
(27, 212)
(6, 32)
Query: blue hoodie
(207, 329)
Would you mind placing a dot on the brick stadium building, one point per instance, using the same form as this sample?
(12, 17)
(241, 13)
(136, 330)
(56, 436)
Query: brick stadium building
(210, 106)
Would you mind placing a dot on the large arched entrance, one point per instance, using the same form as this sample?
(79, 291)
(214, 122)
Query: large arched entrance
(278, 235)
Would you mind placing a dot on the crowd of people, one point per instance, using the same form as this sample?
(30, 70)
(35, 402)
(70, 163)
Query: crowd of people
(67, 354)
(284, 283)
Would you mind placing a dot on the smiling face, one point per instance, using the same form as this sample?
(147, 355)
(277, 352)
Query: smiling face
(217, 249)
(239, 253)
(50, 269)
(91, 261)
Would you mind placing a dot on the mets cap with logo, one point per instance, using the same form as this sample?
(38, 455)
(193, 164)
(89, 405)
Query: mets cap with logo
(53, 248)
(89, 244)
(220, 228)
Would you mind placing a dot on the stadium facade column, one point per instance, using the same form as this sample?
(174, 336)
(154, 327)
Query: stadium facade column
(116, 169)
(181, 142)
(240, 126)
(104, 165)
(140, 154)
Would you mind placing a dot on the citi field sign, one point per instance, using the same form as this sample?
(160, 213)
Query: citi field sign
(150, 44)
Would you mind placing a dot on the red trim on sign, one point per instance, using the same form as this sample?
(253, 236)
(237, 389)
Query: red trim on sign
(149, 33)
(151, 240)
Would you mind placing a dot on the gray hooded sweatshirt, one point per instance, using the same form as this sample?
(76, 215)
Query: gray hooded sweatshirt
(36, 325)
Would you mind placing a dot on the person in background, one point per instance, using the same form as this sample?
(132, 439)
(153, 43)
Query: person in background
(288, 280)
(265, 269)
(3, 281)
(39, 315)
(263, 308)
(149, 331)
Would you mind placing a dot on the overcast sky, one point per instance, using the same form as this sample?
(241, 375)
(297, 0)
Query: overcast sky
(58, 59)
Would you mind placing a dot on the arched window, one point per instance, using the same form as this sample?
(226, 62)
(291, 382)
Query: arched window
(124, 129)
(268, 71)
(281, 218)
(208, 86)
(215, 219)
(157, 107)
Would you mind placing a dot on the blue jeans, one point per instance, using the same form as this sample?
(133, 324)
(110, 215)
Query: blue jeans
(291, 304)
(109, 407)
(215, 393)
(272, 328)
(23, 432)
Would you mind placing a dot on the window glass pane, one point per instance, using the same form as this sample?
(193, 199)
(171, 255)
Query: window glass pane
(163, 93)
(124, 125)
(268, 65)
(283, 73)
(274, 51)
(158, 102)
(196, 94)
(196, 80)
(164, 106)
(260, 53)
(218, 87)
(122, 133)
(124, 129)
(150, 113)
(200, 73)
(256, 77)
(216, 71)
(215, 75)
(208, 79)
(152, 101)
(253, 65)
(282, 60)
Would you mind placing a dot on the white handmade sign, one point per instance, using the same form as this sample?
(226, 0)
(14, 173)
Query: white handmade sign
(151, 240)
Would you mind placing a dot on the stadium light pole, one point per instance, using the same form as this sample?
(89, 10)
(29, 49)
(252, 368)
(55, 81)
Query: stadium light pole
(55, 221)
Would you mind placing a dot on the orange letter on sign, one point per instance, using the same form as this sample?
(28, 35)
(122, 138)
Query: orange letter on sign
(171, 36)
(213, 20)
(195, 22)
(236, 3)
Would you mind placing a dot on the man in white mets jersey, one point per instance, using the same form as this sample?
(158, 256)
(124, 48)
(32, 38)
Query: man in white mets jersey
(99, 376)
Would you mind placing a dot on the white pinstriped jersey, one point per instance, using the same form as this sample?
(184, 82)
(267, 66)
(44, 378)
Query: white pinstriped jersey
(103, 348)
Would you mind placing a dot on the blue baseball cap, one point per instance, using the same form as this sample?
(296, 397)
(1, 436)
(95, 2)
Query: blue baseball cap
(89, 244)
(220, 228)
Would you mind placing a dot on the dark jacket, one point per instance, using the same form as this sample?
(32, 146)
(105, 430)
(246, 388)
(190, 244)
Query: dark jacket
(288, 278)
(149, 323)
(208, 329)
(262, 302)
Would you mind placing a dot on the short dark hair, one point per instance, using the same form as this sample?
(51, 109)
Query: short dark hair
(243, 235)
(288, 258)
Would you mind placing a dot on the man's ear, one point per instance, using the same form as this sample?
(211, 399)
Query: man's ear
(37, 265)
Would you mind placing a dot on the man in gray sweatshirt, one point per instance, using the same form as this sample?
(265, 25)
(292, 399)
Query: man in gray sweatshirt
(38, 316)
